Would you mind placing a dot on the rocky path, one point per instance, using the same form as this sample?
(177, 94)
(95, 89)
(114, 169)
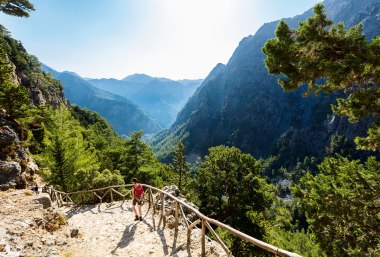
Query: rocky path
(112, 231)
(28, 229)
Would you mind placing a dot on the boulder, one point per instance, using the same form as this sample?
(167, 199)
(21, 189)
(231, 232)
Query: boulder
(7, 136)
(10, 168)
(12, 185)
(170, 221)
(21, 153)
(20, 181)
(172, 189)
(4, 187)
(74, 232)
(44, 199)
(3, 179)
(31, 167)
(37, 96)
(11, 176)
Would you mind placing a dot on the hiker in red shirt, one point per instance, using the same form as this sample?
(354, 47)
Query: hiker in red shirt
(137, 198)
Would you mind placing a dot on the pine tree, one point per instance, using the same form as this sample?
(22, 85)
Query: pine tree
(330, 58)
(13, 98)
(180, 165)
(60, 168)
(137, 155)
(231, 190)
(342, 206)
(73, 163)
(20, 8)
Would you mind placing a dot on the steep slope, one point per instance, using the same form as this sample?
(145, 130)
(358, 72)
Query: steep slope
(17, 166)
(240, 104)
(163, 99)
(123, 115)
(160, 97)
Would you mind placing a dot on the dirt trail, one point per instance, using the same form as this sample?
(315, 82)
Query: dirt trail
(111, 231)
(104, 230)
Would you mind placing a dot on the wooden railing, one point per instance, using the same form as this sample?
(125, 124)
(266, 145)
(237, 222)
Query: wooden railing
(110, 194)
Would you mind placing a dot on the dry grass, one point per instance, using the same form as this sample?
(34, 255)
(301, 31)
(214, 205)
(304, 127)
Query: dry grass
(68, 254)
(28, 192)
(54, 220)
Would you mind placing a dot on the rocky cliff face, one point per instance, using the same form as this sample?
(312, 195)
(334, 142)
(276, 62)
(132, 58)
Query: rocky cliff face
(16, 166)
(240, 104)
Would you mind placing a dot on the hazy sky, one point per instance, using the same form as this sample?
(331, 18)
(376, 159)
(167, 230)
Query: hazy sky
(176, 39)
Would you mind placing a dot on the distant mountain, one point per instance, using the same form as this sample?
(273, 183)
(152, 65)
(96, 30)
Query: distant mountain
(160, 97)
(123, 115)
(240, 104)
(138, 78)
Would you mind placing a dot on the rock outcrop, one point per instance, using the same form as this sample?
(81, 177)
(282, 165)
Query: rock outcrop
(16, 166)
(173, 190)
(44, 199)
(27, 228)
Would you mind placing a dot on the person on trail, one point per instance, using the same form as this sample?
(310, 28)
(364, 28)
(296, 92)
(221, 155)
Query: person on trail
(137, 198)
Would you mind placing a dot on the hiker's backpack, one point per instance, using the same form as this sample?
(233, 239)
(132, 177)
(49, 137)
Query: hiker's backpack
(138, 190)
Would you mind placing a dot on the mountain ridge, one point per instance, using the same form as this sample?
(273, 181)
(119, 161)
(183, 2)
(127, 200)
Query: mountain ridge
(244, 106)
(161, 98)
(124, 115)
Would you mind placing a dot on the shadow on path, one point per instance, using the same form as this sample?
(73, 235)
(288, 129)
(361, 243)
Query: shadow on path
(161, 234)
(80, 209)
(108, 207)
(129, 232)
(126, 238)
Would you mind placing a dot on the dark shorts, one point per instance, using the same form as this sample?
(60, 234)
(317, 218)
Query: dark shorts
(137, 200)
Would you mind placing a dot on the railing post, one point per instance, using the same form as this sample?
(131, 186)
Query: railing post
(163, 208)
(203, 254)
(154, 203)
(188, 237)
(149, 198)
(60, 200)
(111, 195)
(176, 215)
